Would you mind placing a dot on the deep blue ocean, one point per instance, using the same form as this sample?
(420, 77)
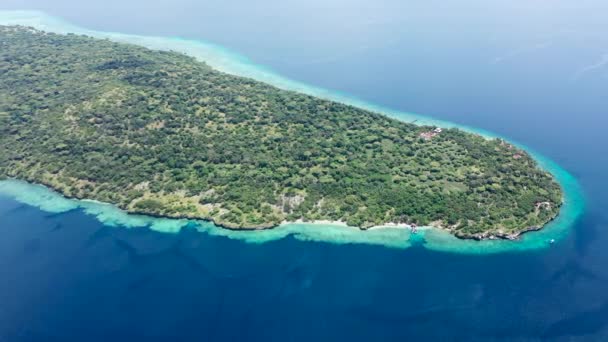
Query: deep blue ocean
(533, 71)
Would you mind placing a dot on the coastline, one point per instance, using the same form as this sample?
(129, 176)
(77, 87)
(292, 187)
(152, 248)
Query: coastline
(229, 62)
(413, 228)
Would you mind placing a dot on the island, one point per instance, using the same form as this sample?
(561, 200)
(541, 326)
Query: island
(160, 133)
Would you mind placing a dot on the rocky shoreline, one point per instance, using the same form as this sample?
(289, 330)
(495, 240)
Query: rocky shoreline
(435, 225)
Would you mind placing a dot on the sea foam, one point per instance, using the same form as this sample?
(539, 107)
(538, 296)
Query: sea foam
(233, 63)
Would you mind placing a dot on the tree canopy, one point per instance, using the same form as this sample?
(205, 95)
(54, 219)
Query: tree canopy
(160, 133)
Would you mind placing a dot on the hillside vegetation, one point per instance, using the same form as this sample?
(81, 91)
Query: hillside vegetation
(161, 133)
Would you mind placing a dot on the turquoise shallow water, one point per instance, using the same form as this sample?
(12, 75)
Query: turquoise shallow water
(230, 62)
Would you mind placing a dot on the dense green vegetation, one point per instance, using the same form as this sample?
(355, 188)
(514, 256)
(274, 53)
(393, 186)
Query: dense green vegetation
(160, 133)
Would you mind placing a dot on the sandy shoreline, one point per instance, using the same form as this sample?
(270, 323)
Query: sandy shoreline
(344, 224)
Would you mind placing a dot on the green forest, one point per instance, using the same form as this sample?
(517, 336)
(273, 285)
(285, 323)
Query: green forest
(161, 133)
